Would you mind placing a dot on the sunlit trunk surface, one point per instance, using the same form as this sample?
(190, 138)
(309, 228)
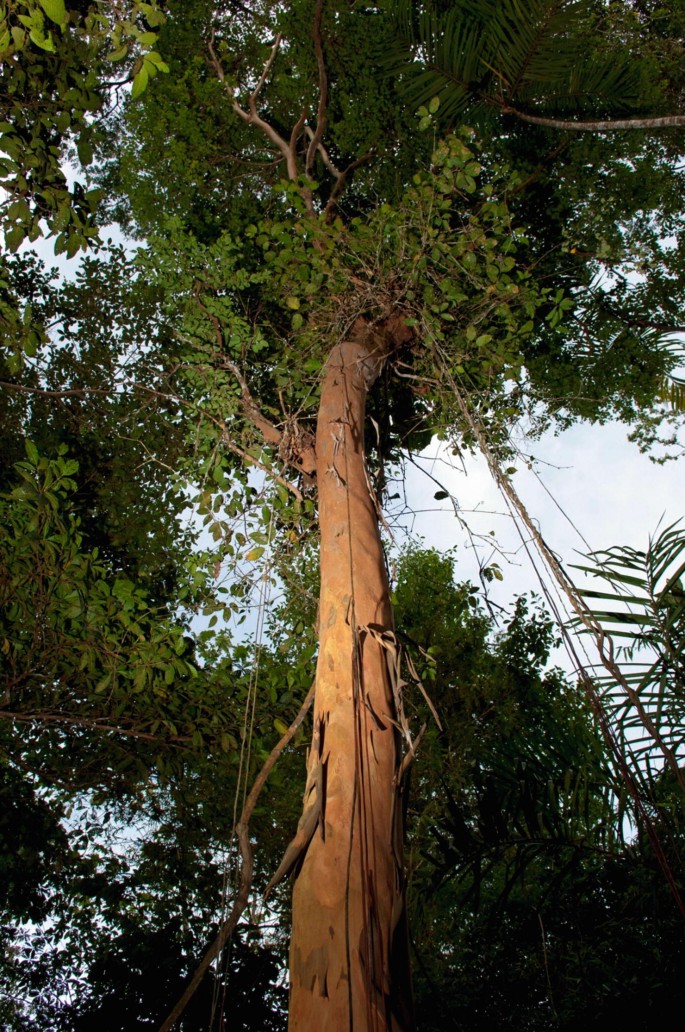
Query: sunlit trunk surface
(348, 956)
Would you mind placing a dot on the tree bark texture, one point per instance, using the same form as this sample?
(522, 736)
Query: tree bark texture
(348, 955)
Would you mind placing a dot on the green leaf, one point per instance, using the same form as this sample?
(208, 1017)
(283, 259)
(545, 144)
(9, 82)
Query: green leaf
(93, 197)
(140, 81)
(117, 55)
(42, 41)
(14, 237)
(19, 210)
(55, 10)
(434, 105)
(85, 150)
(31, 451)
(156, 59)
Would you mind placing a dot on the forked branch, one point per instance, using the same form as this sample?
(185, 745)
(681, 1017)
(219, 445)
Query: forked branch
(287, 147)
(251, 116)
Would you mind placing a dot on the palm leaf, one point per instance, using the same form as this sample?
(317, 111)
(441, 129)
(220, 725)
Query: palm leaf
(672, 390)
(488, 55)
(648, 591)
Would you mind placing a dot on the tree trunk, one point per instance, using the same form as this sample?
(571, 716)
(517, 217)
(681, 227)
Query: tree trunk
(348, 955)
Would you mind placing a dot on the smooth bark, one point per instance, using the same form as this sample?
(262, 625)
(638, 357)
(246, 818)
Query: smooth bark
(348, 956)
(606, 125)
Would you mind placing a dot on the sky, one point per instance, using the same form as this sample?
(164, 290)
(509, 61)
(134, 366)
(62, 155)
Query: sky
(588, 480)
(590, 489)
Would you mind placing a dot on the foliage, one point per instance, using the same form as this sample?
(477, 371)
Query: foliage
(129, 893)
(270, 301)
(530, 909)
(56, 61)
(97, 380)
(593, 223)
(79, 642)
(643, 610)
(214, 172)
(515, 821)
(494, 57)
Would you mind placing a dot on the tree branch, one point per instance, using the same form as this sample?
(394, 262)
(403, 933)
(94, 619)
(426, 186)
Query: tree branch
(317, 135)
(269, 432)
(252, 116)
(341, 182)
(246, 871)
(326, 158)
(94, 724)
(605, 125)
(246, 457)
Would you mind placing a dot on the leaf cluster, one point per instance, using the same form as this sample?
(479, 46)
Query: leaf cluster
(54, 83)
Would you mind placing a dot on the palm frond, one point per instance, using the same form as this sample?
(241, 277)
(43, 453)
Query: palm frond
(499, 54)
(672, 391)
(648, 616)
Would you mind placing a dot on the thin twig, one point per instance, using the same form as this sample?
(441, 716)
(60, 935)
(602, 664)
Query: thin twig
(267, 68)
(246, 457)
(603, 641)
(546, 964)
(43, 392)
(341, 182)
(325, 156)
(94, 724)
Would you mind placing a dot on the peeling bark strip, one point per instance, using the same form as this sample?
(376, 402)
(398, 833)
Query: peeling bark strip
(349, 965)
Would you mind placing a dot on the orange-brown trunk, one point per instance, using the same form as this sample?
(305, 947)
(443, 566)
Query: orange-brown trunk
(348, 954)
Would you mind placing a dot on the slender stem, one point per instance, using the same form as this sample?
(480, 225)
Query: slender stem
(246, 871)
(323, 89)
